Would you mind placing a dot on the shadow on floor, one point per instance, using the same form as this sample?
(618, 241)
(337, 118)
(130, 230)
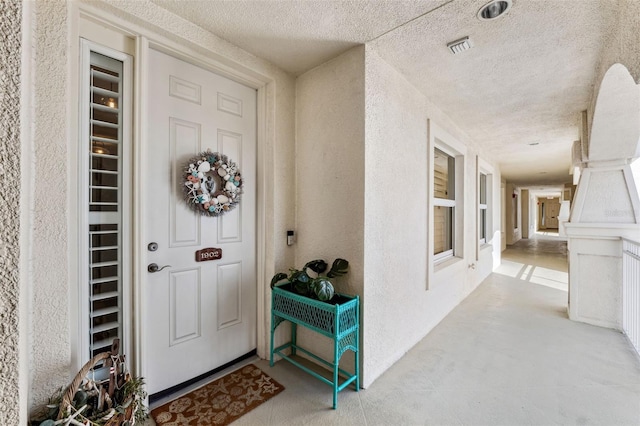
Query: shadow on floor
(540, 260)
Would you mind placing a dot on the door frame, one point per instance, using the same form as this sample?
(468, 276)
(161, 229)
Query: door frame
(543, 216)
(185, 50)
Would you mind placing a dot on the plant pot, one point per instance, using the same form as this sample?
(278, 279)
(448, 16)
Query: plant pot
(341, 310)
(338, 319)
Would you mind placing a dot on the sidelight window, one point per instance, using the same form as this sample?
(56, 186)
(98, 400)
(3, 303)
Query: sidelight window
(105, 144)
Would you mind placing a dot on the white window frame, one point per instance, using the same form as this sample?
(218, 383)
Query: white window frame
(516, 201)
(445, 142)
(483, 207)
(83, 342)
(485, 168)
(446, 202)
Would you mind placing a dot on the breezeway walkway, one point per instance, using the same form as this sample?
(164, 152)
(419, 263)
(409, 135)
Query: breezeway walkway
(507, 355)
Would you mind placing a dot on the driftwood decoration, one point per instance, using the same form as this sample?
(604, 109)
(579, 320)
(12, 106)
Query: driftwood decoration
(114, 361)
(103, 393)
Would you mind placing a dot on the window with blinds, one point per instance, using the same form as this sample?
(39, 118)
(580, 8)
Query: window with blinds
(105, 203)
(444, 204)
(482, 208)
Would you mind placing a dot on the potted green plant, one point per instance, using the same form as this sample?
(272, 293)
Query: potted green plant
(316, 286)
(306, 297)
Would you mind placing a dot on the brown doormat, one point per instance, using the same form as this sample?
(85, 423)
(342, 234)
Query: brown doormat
(220, 402)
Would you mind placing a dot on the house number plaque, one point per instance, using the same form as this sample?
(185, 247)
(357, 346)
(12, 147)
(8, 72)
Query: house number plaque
(210, 253)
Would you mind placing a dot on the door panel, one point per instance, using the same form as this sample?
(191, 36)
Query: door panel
(184, 306)
(199, 315)
(184, 141)
(552, 211)
(229, 294)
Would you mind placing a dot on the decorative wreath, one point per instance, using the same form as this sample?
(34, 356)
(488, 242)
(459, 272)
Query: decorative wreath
(213, 183)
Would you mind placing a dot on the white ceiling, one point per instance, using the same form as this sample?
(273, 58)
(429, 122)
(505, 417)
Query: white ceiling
(545, 191)
(526, 79)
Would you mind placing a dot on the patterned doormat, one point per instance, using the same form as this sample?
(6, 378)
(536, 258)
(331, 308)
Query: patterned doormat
(220, 402)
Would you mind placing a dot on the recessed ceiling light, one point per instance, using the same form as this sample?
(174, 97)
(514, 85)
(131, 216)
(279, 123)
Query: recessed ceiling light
(494, 9)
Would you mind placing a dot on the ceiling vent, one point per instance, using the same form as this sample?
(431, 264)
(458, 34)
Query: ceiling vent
(494, 9)
(459, 45)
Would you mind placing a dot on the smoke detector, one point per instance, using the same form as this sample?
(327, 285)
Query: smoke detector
(459, 45)
(494, 9)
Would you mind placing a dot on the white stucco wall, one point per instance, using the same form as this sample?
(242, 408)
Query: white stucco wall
(398, 309)
(330, 163)
(50, 282)
(330, 174)
(513, 213)
(361, 139)
(11, 402)
(396, 219)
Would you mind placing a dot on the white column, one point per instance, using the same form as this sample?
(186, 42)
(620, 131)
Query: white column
(606, 207)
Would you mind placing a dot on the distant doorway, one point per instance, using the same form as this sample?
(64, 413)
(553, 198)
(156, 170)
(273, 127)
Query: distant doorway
(548, 211)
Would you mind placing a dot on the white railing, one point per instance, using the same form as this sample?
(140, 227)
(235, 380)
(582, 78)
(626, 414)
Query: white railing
(631, 291)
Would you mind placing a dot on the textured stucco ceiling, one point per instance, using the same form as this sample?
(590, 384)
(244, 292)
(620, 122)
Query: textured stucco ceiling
(525, 80)
(298, 35)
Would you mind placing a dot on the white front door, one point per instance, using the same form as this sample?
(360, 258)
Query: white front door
(553, 209)
(198, 315)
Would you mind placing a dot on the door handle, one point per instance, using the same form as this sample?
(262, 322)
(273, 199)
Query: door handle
(153, 267)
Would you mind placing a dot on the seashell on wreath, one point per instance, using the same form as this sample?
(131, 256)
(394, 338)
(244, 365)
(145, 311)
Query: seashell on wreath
(212, 183)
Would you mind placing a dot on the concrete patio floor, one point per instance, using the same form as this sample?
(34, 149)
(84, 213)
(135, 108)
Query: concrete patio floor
(507, 355)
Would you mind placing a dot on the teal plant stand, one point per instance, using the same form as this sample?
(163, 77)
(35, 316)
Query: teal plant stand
(340, 322)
